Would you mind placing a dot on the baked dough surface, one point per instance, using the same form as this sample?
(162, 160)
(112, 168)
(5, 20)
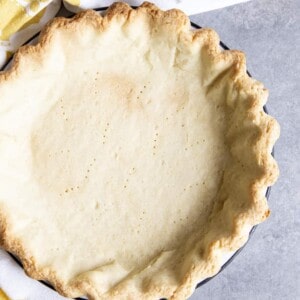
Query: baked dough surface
(134, 154)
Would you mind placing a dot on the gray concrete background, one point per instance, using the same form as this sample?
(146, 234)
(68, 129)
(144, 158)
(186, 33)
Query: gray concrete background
(268, 31)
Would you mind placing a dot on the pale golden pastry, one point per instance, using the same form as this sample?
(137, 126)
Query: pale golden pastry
(3, 295)
(134, 154)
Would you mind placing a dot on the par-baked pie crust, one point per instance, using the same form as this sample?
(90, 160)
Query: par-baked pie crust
(134, 154)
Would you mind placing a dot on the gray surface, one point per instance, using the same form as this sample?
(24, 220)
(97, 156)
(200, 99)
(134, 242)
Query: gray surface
(269, 33)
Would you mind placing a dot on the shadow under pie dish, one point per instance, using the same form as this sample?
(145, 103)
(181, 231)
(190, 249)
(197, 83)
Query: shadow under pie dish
(134, 154)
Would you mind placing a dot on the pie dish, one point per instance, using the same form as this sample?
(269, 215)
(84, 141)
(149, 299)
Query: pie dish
(134, 154)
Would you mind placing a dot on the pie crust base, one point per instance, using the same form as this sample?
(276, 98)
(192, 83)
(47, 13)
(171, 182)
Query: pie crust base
(180, 158)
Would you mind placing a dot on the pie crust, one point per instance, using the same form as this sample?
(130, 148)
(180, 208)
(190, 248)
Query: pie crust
(134, 154)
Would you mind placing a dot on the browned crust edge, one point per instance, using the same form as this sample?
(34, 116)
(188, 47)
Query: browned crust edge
(255, 210)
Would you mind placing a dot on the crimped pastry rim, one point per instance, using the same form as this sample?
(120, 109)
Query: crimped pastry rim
(268, 177)
(252, 231)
